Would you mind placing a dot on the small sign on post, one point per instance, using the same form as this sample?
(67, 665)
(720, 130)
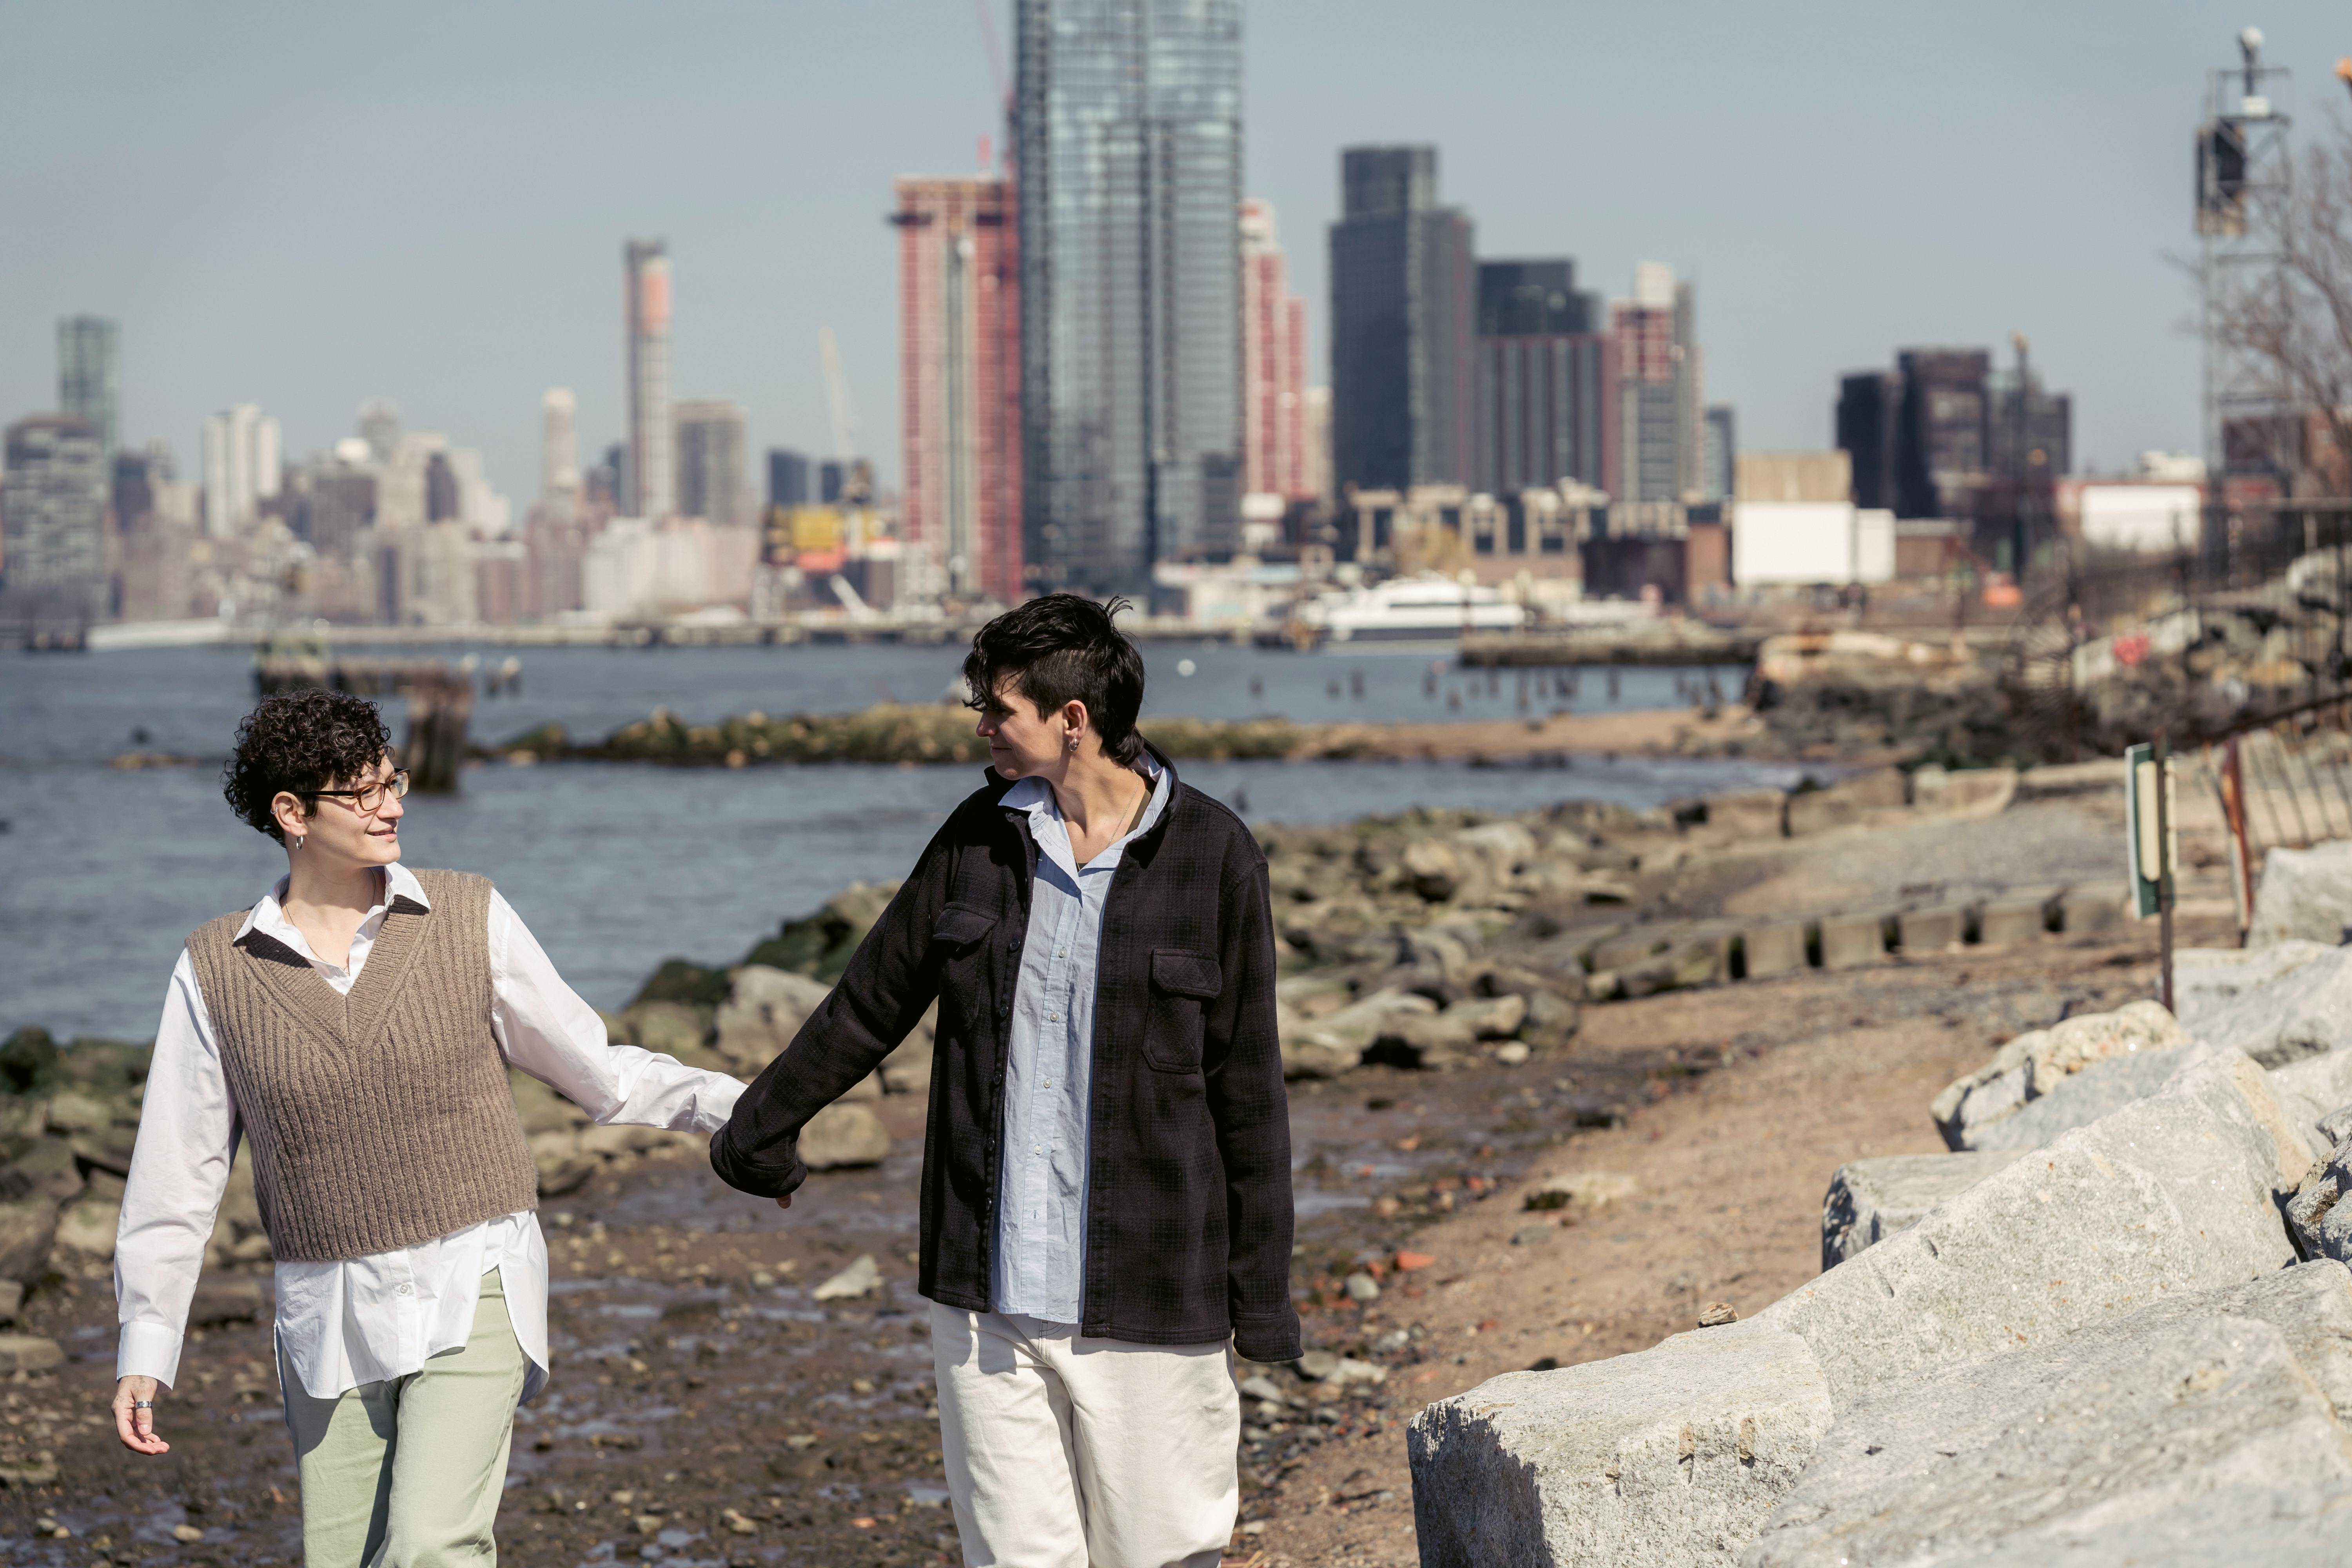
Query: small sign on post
(2152, 829)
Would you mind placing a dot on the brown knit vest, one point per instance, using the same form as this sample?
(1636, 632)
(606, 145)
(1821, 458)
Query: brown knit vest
(380, 1119)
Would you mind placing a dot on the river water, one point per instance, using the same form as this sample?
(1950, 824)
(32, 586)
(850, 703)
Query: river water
(103, 872)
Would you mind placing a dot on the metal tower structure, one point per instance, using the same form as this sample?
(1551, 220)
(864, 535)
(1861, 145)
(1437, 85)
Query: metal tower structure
(2244, 164)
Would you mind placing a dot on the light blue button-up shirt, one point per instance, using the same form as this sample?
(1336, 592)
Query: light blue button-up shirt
(1038, 1267)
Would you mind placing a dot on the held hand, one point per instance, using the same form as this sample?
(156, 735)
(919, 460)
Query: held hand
(136, 1426)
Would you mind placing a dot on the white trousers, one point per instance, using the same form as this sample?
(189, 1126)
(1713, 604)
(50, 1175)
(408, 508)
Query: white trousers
(1065, 1451)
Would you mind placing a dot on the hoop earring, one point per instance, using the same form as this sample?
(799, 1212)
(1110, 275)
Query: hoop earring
(298, 843)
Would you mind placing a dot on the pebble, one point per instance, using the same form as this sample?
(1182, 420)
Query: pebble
(1363, 1287)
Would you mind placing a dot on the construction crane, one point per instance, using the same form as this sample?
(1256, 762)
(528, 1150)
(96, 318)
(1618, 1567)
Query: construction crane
(836, 391)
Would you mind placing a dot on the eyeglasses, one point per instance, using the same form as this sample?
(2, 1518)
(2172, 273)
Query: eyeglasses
(370, 797)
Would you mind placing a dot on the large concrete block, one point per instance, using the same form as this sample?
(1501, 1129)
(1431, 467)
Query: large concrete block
(1663, 1459)
(2174, 1193)
(2097, 910)
(2196, 1415)
(1976, 792)
(2276, 1003)
(2305, 895)
(1749, 815)
(1777, 948)
(1863, 798)
(2036, 1062)
(1870, 1200)
(1932, 930)
(1853, 941)
(2017, 917)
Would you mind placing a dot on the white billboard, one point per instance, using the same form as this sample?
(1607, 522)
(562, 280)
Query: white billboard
(2150, 518)
(1795, 541)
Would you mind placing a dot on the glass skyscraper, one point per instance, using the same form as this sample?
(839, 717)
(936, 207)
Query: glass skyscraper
(89, 375)
(1128, 138)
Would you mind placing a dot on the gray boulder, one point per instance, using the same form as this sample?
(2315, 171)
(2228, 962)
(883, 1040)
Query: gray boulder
(2205, 1409)
(2317, 1213)
(1658, 1461)
(2305, 896)
(26, 1230)
(2277, 1003)
(761, 1013)
(2171, 1193)
(1336, 1042)
(2037, 1063)
(2313, 1089)
(1870, 1200)
(2098, 1090)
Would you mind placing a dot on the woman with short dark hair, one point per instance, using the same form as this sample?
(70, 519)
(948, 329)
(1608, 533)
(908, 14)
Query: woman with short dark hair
(354, 1026)
(1106, 1198)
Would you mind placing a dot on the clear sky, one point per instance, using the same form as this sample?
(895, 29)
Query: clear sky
(305, 206)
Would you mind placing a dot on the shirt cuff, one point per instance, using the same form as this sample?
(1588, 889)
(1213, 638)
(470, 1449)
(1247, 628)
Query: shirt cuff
(149, 1350)
(715, 1105)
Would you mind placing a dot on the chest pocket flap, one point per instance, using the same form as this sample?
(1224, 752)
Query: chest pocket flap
(961, 925)
(1194, 974)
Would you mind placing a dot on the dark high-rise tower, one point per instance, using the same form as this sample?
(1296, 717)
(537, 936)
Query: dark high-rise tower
(1869, 410)
(1402, 324)
(1543, 364)
(1128, 142)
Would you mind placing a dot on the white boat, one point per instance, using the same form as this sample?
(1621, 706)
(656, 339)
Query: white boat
(1427, 608)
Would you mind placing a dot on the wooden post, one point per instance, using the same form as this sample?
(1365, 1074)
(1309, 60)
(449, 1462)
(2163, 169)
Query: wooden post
(2234, 817)
(2164, 861)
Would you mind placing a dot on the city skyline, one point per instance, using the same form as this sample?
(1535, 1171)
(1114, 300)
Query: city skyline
(480, 299)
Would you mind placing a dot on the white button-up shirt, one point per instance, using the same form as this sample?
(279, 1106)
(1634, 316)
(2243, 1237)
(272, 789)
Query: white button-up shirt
(1038, 1263)
(364, 1319)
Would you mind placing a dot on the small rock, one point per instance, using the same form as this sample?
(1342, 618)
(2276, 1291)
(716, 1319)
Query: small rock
(187, 1535)
(1593, 1189)
(72, 1112)
(1512, 1053)
(1533, 1234)
(843, 1135)
(84, 1246)
(737, 1524)
(232, 1299)
(1351, 1370)
(1317, 1365)
(862, 1278)
(29, 1352)
(12, 1298)
(1257, 1386)
(32, 1473)
(1714, 1314)
(1362, 1287)
(1407, 1262)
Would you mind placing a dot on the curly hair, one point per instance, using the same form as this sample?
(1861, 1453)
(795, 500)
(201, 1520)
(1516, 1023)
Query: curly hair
(1059, 647)
(299, 742)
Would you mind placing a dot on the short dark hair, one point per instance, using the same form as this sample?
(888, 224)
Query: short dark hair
(301, 742)
(1060, 647)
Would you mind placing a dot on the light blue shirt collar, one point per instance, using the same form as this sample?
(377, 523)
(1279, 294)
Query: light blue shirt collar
(1036, 798)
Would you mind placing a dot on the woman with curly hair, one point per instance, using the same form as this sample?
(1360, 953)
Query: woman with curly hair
(355, 1026)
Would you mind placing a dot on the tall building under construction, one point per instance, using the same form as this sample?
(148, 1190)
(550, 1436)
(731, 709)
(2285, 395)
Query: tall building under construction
(960, 381)
(649, 477)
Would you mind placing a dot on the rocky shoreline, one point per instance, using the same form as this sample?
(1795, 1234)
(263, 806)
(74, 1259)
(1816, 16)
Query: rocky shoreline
(923, 733)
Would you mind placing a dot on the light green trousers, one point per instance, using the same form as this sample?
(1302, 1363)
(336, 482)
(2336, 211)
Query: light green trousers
(407, 1473)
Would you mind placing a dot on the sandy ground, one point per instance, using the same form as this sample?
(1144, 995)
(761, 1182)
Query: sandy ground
(1684, 732)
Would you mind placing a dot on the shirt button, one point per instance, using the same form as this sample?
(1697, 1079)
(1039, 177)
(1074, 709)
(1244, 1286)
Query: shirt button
(1053, 1018)
(1061, 952)
(405, 1288)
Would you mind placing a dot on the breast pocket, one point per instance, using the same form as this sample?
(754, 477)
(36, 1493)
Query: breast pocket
(1183, 985)
(960, 947)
